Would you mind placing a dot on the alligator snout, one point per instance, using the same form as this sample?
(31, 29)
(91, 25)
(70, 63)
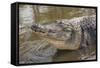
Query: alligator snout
(36, 28)
(41, 29)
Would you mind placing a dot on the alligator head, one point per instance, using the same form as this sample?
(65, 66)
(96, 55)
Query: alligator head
(62, 35)
(59, 30)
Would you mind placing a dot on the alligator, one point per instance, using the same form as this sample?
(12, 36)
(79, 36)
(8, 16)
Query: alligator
(70, 34)
(75, 36)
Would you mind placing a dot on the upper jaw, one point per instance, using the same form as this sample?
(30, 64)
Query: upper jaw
(37, 28)
(43, 28)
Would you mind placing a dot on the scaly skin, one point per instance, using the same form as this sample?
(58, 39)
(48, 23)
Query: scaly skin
(67, 34)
